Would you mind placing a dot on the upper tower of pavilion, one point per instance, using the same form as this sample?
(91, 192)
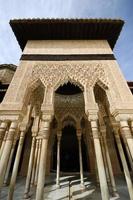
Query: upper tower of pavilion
(66, 29)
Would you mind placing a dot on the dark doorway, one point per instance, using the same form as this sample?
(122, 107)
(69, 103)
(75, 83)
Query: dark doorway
(69, 150)
(69, 153)
(68, 89)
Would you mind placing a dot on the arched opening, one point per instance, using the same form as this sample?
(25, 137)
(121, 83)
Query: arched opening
(69, 89)
(69, 150)
(69, 109)
(35, 99)
(104, 120)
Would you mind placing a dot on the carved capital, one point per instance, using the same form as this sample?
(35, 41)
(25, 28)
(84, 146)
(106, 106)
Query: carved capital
(35, 126)
(123, 114)
(125, 130)
(79, 133)
(94, 127)
(23, 127)
(95, 134)
(103, 131)
(12, 131)
(92, 117)
(44, 127)
(59, 133)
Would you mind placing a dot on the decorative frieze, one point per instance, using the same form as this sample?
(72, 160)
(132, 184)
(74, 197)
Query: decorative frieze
(55, 75)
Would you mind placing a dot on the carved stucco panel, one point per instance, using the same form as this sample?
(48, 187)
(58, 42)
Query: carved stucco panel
(118, 86)
(55, 75)
(12, 91)
(24, 84)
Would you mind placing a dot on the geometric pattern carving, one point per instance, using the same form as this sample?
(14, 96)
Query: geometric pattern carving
(69, 105)
(57, 74)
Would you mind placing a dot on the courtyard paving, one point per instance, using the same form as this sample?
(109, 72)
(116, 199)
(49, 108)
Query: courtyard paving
(70, 189)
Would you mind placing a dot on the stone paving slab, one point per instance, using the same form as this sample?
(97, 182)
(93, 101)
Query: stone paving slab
(70, 189)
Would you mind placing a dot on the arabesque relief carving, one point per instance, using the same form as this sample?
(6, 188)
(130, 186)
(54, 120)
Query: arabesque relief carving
(55, 75)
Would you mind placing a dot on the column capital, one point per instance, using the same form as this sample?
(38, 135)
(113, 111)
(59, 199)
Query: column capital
(3, 128)
(79, 133)
(23, 127)
(122, 115)
(12, 130)
(44, 127)
(35, 126)
(125, 130)
(95, 132)
(46, 117)
(59, 134)
(92, 115)
(103, 131)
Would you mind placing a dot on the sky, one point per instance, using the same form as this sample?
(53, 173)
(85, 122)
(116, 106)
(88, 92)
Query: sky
(10, 51)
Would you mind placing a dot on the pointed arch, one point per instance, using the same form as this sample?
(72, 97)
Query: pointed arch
(102, 84)
(69, 119)
(67, 80)
(31, 88)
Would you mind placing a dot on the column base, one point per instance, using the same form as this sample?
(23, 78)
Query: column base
(26, 196)
(82, 186)
(5, 184)
(58, 186)
(115, 194)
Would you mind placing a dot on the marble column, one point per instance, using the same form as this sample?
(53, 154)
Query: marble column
(38, 161)
(58, 160)
(16, 163)
(125, 131)
(28, 177)
(105, 160)
(7, 151)
(3, 144)
(80, 158)
(34, 163)
(44, 135)
(34, 130)
(123, 160)
(100, 163)
(3, 127)
(128, 151)
(10, 161)
(110, 170)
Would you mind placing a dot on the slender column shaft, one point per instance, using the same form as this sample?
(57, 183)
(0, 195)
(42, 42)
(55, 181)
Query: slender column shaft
(16, 165)
(3, 144)
(125, 130)
(105, 160)
(38, 161)
(100, 164)
(9, 163)
(42, 170)
(28, 178)
(124, 163)
(34, 163)
(31, 159)
(3, 127)
(58, 161)
(80, 162)
(128, 152)
(6, 152)
(91, 154)
(44, 133)
(97, 175)
(114, 190)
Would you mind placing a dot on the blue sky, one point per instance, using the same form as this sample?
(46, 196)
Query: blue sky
(10, 51)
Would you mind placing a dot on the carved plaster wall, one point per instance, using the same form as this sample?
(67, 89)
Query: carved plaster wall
(53, 74)
(69, 106)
